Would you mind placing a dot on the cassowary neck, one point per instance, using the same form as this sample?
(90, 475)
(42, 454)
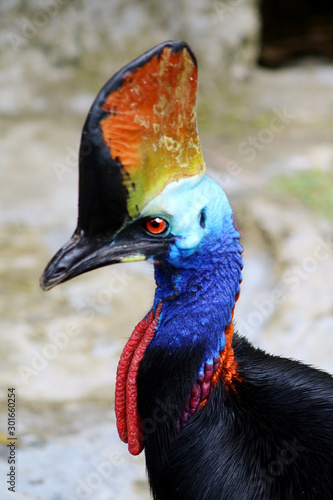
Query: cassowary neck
(192, 340)
(198, 300)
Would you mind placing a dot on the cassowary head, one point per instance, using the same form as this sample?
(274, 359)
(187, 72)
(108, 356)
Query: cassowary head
(142, 189)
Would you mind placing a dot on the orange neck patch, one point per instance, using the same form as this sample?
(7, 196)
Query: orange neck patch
(227, 371)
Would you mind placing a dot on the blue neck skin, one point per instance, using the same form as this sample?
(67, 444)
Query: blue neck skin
(198, 299)
(199, 278)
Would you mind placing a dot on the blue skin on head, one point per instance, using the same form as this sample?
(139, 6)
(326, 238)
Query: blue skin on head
(199, 278)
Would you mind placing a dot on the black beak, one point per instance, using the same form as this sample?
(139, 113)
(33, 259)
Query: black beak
(83, 253)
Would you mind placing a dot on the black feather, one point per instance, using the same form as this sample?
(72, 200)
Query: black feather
(270, 438)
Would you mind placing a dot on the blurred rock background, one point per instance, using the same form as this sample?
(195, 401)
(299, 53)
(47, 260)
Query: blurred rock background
(265, 119)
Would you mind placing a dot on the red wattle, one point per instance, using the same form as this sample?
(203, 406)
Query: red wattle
(128, 419)
(122, 371)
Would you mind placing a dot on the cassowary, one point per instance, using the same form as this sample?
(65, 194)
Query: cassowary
(218, 419)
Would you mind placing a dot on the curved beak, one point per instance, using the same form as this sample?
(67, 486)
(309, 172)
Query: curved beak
(82, 253)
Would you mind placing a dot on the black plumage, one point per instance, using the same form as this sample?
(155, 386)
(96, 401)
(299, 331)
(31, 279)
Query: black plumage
(269, 439)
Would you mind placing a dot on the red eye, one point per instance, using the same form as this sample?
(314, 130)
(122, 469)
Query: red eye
(156, 225)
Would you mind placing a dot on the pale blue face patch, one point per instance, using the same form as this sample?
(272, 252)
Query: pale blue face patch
(194, 208)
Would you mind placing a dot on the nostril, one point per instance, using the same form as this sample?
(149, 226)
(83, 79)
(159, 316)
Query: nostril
(61, 269)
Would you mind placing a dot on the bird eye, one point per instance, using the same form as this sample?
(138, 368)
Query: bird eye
(156, 225)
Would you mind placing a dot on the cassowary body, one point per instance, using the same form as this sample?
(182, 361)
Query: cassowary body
(268, 441)
(218, 419)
